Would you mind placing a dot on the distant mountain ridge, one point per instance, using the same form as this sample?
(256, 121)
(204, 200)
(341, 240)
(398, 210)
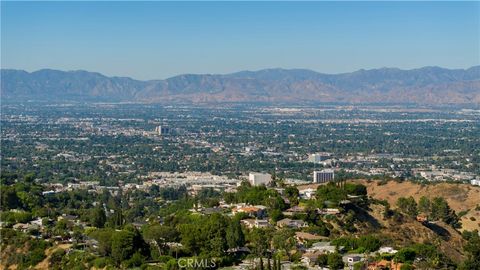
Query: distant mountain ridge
(427, 85)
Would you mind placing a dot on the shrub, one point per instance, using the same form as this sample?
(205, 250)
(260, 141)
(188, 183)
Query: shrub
(102, 262)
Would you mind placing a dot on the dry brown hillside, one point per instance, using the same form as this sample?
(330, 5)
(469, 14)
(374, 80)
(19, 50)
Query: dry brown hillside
(460, 197)
(408, 231)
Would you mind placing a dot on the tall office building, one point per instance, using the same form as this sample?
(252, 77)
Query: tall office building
(319, 157)
(162, 130)
(323, 176)
(257, 179)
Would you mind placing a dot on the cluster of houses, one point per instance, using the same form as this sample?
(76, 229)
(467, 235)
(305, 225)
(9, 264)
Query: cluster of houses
(37, 226)
(90, 186)
(259, 212)
(311, 255)
(321, 247)
(444, 174)
(193, 181)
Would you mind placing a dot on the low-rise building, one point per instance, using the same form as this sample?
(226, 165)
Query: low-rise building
(384, 264)
(353, 258)
(308, 193)
(329, 211)
(255, 223)
(324, 247)
(319, 157)
(389, 250)
(258, 211)
(310, 258)
(25, 227)
(294, 210)
(291, 223)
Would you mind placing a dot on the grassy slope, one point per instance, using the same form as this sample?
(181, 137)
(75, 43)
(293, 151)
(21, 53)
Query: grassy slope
(461, 197)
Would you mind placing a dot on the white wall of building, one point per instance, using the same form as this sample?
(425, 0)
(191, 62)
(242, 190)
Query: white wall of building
(257, 179)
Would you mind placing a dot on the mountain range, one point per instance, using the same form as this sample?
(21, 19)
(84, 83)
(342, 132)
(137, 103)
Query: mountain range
(427, 85)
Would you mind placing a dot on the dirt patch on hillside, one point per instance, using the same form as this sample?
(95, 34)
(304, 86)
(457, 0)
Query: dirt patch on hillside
(44, 264)
(460, 197)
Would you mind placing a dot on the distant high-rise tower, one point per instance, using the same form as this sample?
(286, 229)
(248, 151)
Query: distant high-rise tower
(323, 176)
(319, 157)
(162, 130)
(257, 179)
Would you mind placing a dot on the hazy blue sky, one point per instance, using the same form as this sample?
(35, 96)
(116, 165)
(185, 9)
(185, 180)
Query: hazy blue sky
(155, 40)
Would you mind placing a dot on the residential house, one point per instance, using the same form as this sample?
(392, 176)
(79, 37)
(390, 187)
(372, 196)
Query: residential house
(25, 227)
(384, 265)
(324, 247)
(294, 210)
(291, 223)
(253, 211)
(308, 193)
(255, 223)
(329, 211)
(389, 250)
(66, 217)
(353, 258)
(310, 258)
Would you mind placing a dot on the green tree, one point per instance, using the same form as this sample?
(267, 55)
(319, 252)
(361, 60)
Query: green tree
(104, 238)
(98, 217)
(405, 255)
(424, 205)
(275, 214)
(369, 243)
(284, 240)
(122, 245)
(334, 261)
(234, 234)
(190, 235)
(259, 240)
(160, 235)
(330, 192)
(407, 206)
(356, 189)
(292, 194)
(322, 259)
(472, 248)
(9, 198)
(440, 210)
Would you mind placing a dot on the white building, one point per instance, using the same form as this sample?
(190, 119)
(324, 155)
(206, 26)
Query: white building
(323, 176)
(308, 193)
(318, 157)
(389, 250)
(162, 130)
(257, 179)
(475, 182)
(353, 258)
(324, 247)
